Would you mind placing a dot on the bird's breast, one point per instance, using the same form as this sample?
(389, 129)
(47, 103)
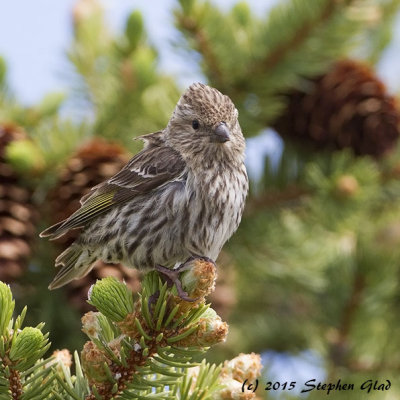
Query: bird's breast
(216, 200)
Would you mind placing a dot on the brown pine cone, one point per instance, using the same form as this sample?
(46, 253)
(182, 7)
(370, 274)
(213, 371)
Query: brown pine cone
(17, 215)
(95, 162)
(348, 107)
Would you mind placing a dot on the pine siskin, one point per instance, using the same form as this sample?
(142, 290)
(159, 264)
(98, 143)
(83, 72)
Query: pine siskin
(182, 196)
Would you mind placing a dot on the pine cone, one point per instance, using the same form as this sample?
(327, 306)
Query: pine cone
(347, 107)
(17, 215)
(94, 162)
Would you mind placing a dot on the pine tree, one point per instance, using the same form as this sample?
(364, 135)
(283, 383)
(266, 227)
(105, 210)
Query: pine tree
(315, 262)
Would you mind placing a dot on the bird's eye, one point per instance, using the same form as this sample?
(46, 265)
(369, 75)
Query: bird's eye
(195, 124)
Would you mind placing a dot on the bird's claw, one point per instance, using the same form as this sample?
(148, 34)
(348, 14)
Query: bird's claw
(172, 278)
(153, 299)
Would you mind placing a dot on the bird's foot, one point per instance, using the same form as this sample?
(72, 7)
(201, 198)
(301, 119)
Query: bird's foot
(171, 276)
(153, 299)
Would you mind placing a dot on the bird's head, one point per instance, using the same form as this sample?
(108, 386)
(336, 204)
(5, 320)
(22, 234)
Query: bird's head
(205, 123)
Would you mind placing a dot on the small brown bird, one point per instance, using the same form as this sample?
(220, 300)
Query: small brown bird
(182, 196)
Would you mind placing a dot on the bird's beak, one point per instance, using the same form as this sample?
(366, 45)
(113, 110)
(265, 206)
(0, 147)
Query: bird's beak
(221, 133)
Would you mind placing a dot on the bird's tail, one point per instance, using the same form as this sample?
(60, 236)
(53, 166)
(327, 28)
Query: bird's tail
(54, 231)
(75, 262)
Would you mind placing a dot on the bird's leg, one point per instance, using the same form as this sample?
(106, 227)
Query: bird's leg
(172, 278)
(153, 299)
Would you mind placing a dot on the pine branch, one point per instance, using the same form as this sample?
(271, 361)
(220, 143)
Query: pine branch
(139, 348)
(21, 374)
(340, 345)
(191, 26)
(352, 306)
(118, 76)
(303, 32)
(155, 335)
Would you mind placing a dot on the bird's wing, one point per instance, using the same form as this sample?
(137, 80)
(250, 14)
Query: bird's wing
(151, 168)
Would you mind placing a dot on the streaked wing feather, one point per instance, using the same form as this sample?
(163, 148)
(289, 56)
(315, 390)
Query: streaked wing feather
(89, 210)
(147, 170)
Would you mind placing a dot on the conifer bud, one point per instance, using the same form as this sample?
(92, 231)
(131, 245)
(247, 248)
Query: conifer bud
(347, 186)
(24, 156)
(242, 367)
(97, 326)
(90, 324)
(27, 346)
(233, 391)
(61, 358)
(94, 363)
(235, 372)
(7, 305)
(112, 298)
(212, 330)
(199, 280)
(128, 326)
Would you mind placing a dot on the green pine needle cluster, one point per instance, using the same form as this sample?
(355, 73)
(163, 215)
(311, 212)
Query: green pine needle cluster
(141, 347)
(22, 375)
